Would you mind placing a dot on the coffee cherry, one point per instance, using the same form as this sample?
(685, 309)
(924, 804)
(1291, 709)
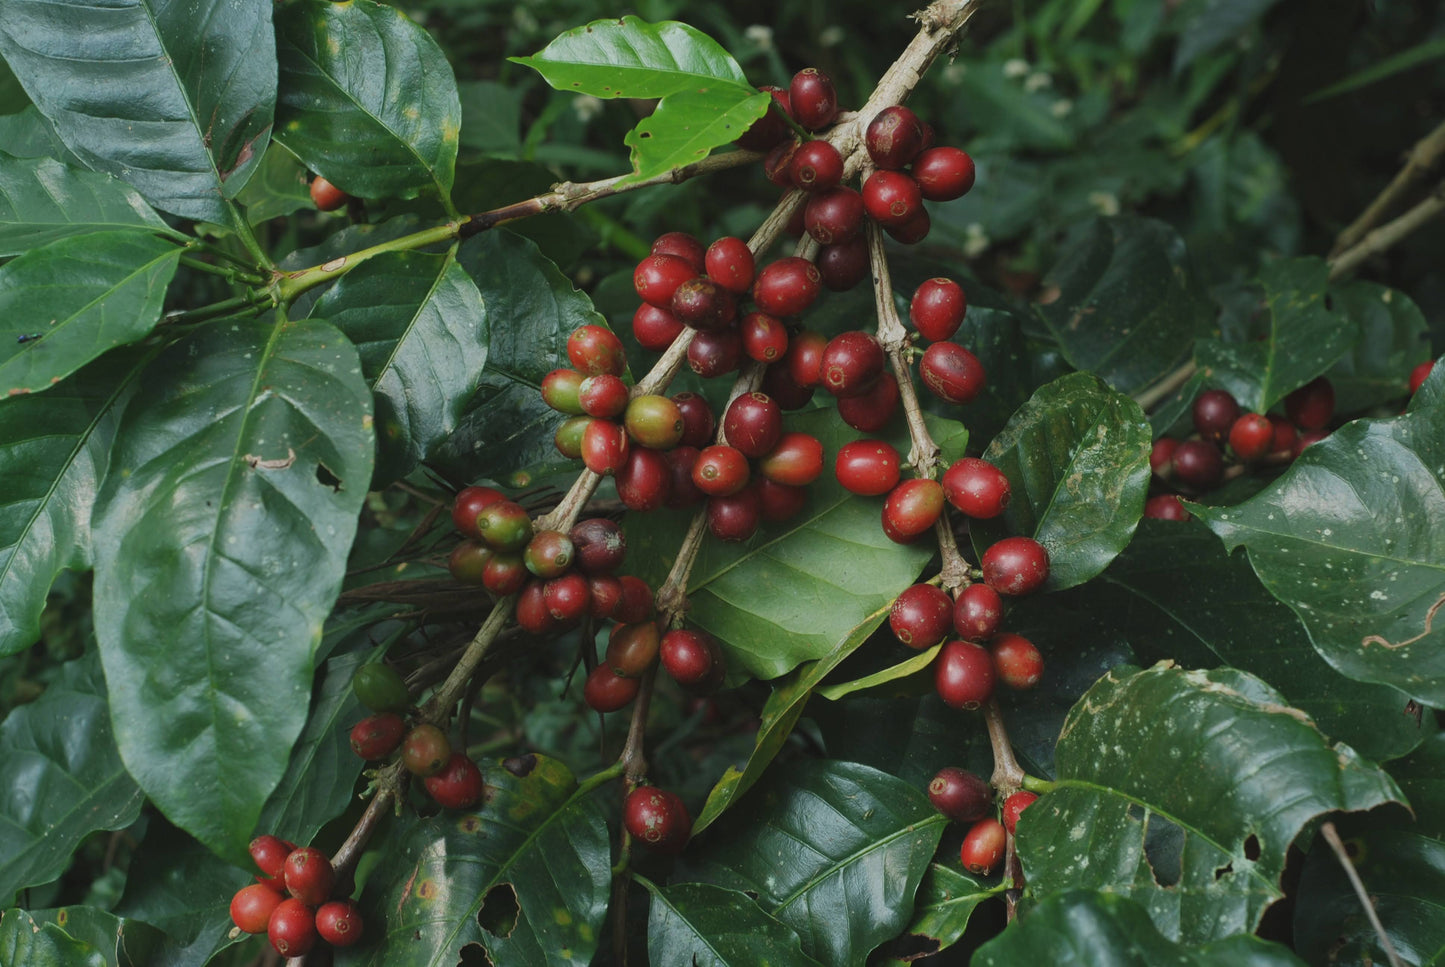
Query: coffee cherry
(721, 470)
(1016, 660)
(983, 847)
(816, 166)
(921, 616)
(1198, 463)
(655, 328)
(606, 691)
(787, 287)
(1014, 805)
(765, 338)
(605, 591)
(779, 501)
(911, 508)
(654, 421)
(657, 277)
(704, 305)
(292, 928)
(549, 554)
(1161, 457)
(871, 411)
(891, 197)
(833, 217)
(681, 244)
(505, 525)
(308, 875)
(599, 545)
(1308, 439)
(468, 503)
(960, 795)
(812, 98)
(943, 173)
(735, 517)
(380, 688)
(1285, 435)
(698, 423)
(964, 675)
(504, 574)
(977, 488)
(561, 389)
(796, 460)
(893, 137)
(269, 854)
(693, 658)
(1165, 507)
(953, 373)
(339, 922)
(1251, 436)
(594, 351)
(604, 447)
(532, 614)
(636, 603)
(867, 467)
(327, 198)
(683, 492)
(785, 391)
(424, 752)
(657, 819)
(631, 649)
(252, 906)
(1311, 406)
(730, 264)
(1419, 374)
(977, 612)
(843, 265)
(852, 362)
(567, 598)
(568, 436)
(913, 231)
(1215, 411)
(457, 786)
(937, 309)
(712, 354)
(772, 127)
(603, 396)
(804, 360)
(376, 737)
(1015, 566)
(753, 424)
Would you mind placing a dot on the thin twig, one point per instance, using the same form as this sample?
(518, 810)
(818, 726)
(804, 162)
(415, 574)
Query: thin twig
(1332, 837)
(1382, 238)
(1008, 775)
(1420, 163)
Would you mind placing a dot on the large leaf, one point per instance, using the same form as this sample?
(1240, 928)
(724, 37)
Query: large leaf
(1422, 775)
(221, 535)
(421, 328)
(1085, 929)
(1394, 337)
(834, 850)
(23, 940)
(120, 942)
(943, 908)
(29, 134)
(1306, 334)
(1077, 459)
(61, 778)
(68, 302)
(795, 590)
(1184, 790)
(1352, 537)
(53, 454)
(537, 848)
(707, 926)
(1127, 305)
(689, 124)
(174, 97)
(367, 98)
(42, 200)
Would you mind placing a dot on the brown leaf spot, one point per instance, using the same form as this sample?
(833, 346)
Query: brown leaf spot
(279, 463)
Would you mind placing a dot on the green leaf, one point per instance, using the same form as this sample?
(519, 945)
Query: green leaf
(795, 590)
(279, 187)
(1422, 775)
(419, 323)
(175, 98)
(834, 850)
(1205, 25)
(687, 125)
(1394, 337)
(53, 454)
(29, 134)
(1077, 459)
(368, 99)
(72, 300)
(537, 852)
(1128, 306)
(41, 200)
(119, 942)
(221, 536)
(943, 908)
(1352, 537)
(1086, 929)
(1175, 593)
(491, 117)
(1408, 59)
(23, 940)
(706, 926)
(1306, 335)
(1169, 792)
(61, 777)
(903, 669)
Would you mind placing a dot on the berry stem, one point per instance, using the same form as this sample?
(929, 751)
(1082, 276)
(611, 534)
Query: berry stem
(1035, 784)
(1008, 775)
(1380, 239)
(1424, 158)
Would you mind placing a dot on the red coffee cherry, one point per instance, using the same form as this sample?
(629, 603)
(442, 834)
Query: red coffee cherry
(594, 350)
(1251, 436)
(867, 467)
(804, 360)
(785, 391)
(977, 612)
(606, 691)
(964, 675)
(765, 338)
(269, 854)
(787, 287)
(937, 309)
(560, 389)
(458, 786)
(1285, 435)
(567, 598)
(816, 166)
(1215, 411)
(532, 614)
(698, 423)
(780, 501)
(721, 470)
(327, 198)
(730, 264)
(308, 875)
(681, 244)
(703, 304)
(983, 847)
(339, 922)
(833, 217)
(468, 503)
(683, 492)
(712, 354)
(1198, 463)
(292, 928)
(603, 396)
(424, 753)
(913, 231)
(599, 545)
(1015, 566)
(606, 592)
(976, 487)
(1014, 805)
(632, 648)
(735, 517)
(960, 795)
(1419, 374)
(893, 137)
(921, 616)
(753, 424)
(871, 411)
(693, 658)
(657, 819)
(657, 277)
(891, 197)
(375, 737)
(772, 127)
(843, 265)
(911, 508)
(504, 574)
(1161, 457)
(549, 554)
(1308, 439)
(604, 447)
(852, 362)
(655, 328)
(796, 460)
(1312, 405)
(636, 603)
(943, 174)
(953, 373)
(778, 165)
(812, 98)
(1165, 507)
(1016, 660)
(645, 480)
(252, 906)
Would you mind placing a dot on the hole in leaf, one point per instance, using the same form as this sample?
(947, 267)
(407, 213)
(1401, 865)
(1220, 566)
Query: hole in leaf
(1136, 813)
(326, 478)
(520, 765)
(1164, 851)
(1223, 871)
(912, 946)
(1330, 303)
(1251, 848)
(498, 915)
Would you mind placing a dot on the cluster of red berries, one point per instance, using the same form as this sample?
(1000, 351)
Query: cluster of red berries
(657, 818)
(293, 903)
(451, 778)
(693, 658)
(965, 798)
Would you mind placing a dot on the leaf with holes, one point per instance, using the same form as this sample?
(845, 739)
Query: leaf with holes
(1169, 792)
(221, 535)
(42, 200)
(687, 125)
(834, 850)
(526, 876)
(121, 942)
(707, 926)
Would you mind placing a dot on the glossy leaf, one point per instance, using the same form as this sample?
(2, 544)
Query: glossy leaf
(420, 326)
(1086, 929)
(689, 124)
(1127, 304)
(1352, 537)
(221, 536)
(706, 926)
(538, 846)
(629, 57)
(367, 100)
(29, 134)
(175, 98)
(944, 905)
(119, 941)
(42, 200)
(1306, 334)
(1077, 459)
(61, 778)
(903, 669)
(795, 590)
(1393, 338)
(23, 940)
(1422, 775)
(834, 850)
(279, 187)
(53, 454)
(70, 301)
(1169, 792)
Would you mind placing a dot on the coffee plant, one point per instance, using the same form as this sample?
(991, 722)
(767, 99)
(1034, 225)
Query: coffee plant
(971, 489)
